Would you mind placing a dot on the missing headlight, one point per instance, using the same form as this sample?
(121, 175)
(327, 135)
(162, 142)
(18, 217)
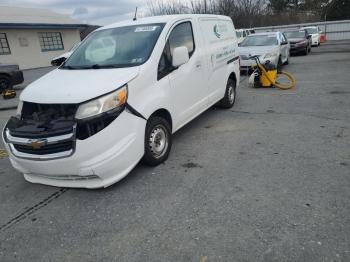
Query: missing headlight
(89, 127)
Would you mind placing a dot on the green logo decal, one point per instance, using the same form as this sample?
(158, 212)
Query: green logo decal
(216, 31)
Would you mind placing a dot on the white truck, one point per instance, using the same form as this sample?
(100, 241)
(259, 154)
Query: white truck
(119, 98)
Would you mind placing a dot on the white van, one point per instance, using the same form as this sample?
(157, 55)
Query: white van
(119, 98)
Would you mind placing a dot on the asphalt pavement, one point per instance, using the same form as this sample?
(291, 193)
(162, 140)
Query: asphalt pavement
(267, 180)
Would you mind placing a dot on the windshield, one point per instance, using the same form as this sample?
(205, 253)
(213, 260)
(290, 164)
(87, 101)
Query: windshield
(312, 31)
(238, 34)
(116, 47)
(295, 34)
(75, 46)
(260, 40)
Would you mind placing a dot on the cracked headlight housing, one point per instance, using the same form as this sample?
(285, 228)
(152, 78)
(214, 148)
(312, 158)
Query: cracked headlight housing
(111, 102)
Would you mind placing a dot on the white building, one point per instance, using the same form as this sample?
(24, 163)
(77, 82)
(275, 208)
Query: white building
(32, 37)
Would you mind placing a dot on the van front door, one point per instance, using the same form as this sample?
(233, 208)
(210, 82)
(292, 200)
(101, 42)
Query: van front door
(189, 91)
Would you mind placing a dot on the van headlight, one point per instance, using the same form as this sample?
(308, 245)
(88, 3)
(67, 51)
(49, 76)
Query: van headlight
(271, 55)
(111, 102)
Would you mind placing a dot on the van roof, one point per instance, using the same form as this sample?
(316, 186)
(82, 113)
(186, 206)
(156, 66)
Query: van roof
(160, 19)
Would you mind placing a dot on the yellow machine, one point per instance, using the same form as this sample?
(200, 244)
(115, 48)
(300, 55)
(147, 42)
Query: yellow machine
(266, 76)
(270, 74)
(8, 94)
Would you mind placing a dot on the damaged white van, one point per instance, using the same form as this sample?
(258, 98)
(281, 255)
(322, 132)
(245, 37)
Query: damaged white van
(119, 98)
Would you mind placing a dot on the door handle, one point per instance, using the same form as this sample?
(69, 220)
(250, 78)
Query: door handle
(198, 65)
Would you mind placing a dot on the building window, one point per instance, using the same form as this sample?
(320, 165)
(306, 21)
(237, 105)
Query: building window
(50, 41)
(4, 45)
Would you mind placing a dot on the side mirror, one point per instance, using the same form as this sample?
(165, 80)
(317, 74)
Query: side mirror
(309, 36)
(58, 61)
(239, 44)
(180, 56)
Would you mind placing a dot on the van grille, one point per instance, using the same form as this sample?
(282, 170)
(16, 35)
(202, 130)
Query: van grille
(46, 150)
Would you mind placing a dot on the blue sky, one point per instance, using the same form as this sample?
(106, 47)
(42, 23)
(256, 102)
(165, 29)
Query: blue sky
(100, 12)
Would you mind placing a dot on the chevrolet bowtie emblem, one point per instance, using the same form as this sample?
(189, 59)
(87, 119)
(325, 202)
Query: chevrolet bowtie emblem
(37, 144)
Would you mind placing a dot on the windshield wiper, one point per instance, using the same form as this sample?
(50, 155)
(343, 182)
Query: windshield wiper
(99, 66)
(94, 66)
(71, 67)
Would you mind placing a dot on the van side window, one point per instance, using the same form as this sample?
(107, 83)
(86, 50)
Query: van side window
(182, 35)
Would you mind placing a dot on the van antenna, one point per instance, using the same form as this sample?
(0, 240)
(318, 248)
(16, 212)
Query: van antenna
(135, 17)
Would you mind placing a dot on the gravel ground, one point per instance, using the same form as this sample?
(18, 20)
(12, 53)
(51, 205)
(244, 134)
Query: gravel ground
(266, 181)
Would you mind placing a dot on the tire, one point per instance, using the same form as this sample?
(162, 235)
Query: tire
(230, 95)
(306, 51)
(158, 141)
(5, 83)
(279, 65)
(287, 62)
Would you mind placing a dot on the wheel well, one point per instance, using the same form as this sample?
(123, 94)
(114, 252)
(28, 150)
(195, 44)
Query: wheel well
(164, 114)
(233, 77)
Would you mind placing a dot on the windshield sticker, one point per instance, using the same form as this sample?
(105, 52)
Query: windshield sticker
(145, 29)
(137, 60)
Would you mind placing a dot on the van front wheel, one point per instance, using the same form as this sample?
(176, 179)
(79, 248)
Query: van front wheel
(158, 140)
(230, 95)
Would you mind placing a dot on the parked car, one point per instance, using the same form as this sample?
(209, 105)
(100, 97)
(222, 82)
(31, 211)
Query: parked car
(272, 46)
(10, 75)
(57, 61)
(300, 41)
(241, 34)
(314, 31)
(89, 122)
(251, 31)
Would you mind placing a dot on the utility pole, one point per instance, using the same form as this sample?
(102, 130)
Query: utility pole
(327, 7)
(135, 17)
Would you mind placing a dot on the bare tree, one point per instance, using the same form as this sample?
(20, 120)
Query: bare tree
(167, 7)
(249, 13)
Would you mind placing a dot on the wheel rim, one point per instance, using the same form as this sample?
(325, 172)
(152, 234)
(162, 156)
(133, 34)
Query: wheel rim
(158, 141)
(3, 84)
(231, 94)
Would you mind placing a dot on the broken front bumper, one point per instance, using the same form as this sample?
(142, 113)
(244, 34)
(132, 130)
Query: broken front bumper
(98, 161)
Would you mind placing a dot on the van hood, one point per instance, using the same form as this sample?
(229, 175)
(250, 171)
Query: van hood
(256, 50)
(296, 40)
(63, 86)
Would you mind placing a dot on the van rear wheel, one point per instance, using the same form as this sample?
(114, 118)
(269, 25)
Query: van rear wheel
(158, 141)
(230, 95)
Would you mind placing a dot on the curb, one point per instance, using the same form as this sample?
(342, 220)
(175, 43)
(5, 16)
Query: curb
(8, 108)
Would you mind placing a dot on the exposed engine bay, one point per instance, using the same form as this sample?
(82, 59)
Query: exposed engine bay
(44, 129)
(39, 120)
